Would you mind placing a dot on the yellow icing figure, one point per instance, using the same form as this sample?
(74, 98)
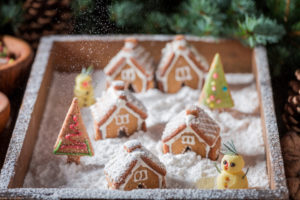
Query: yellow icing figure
(83, 88)
(232, 175)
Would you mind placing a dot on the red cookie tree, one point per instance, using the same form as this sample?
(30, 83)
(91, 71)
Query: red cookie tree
(73, 139)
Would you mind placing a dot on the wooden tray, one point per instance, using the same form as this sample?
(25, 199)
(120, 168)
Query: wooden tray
(70, 53)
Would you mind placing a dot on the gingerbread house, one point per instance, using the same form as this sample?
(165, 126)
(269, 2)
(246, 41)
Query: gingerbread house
(192, 130)
(133, 65)
(134, 167)
(118, 112)
(180, 65)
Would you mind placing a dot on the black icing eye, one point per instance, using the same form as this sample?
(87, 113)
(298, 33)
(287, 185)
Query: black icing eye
(225, 162)
(232, 164)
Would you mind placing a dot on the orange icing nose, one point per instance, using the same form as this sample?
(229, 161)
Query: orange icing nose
(226, 166)
(85, 84)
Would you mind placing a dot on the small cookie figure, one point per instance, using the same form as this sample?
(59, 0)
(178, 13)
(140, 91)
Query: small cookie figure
(232, 175)
(134, 167)
(192, 130)
(83, 88)
(73, 139)
(180, 65)
(215, 93)
(118, 112)
(133, 65)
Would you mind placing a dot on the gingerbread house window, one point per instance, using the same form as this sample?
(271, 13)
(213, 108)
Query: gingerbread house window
(128, 75)
(183, 74)
(122, 119)
(141, 175)
(188, 140)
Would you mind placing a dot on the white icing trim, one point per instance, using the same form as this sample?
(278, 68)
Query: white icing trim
(142, 76)
(164, 79)
(184, 54)
(122, 119)
(143, 175)
(183, 73)
(139, 163)
(122, 104)
(190, 130)
(129, 44)
(188, 139)
(128, 75)
(138, 73)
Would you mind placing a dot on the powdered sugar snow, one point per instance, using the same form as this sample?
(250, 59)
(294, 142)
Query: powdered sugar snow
(242, 124)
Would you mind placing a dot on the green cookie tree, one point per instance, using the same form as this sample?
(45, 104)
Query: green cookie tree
(215, 93)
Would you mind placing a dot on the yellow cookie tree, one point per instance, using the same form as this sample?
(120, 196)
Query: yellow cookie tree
(215, 93)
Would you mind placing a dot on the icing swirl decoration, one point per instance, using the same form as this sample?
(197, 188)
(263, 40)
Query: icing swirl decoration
(69, 137)
(73, 140)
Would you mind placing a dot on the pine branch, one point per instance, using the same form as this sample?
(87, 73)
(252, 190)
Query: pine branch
(179, 23)
(296, 28)
(11, 14)
(261, 30)
(156, 22)
(127, 13)
(242, 7)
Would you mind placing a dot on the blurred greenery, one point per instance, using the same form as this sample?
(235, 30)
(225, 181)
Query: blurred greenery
(274, 23)
(10, 16)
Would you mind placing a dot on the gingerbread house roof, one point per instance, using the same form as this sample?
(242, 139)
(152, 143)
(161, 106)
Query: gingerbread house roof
(114, 97)
(195, 118)
(179, 46)
(121, 165)
(133, 54)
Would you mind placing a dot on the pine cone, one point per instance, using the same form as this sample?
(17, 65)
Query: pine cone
(291, 116)
(290, 144)
(45, 17)
(294, 187)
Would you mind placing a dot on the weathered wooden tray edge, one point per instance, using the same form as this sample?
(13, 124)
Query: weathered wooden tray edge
(30, 101)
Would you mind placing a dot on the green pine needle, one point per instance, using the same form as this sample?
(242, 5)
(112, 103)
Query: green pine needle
(88, 70)
(230, 149)
(217, 168)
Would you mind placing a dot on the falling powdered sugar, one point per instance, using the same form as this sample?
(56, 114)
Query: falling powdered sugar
(242, 124)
